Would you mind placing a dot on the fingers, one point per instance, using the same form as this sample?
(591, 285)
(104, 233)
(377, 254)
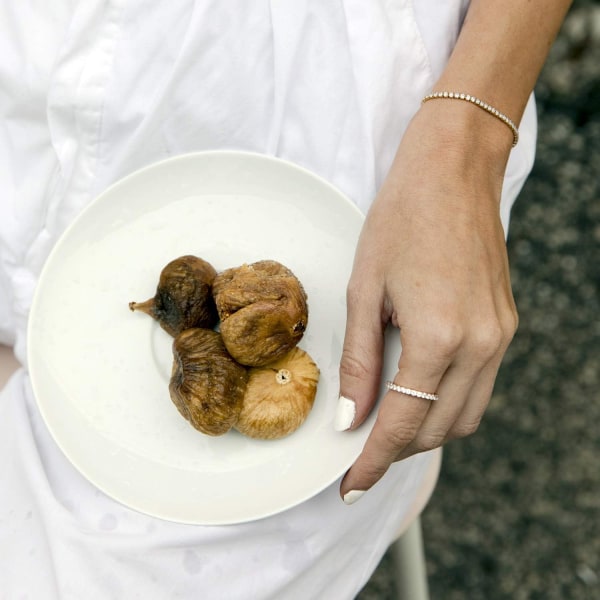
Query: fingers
(455, 330)
(361, 362)
(393, 429)
(463, 379)
(460, 413)
(398, 422)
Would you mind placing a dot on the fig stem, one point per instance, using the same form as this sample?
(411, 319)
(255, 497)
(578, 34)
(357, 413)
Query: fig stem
(145, 307)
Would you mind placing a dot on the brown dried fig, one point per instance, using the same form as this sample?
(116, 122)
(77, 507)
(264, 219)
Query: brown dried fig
(263, 311)
(207, 386)
(279, 396)
(183, 297)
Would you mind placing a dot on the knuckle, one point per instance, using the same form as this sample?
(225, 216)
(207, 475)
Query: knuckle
(487, 340)
(429, 441)
(448, 339)
(397, 435)
(464, 429)
(445, 337)
(352, 367)
(512, 324)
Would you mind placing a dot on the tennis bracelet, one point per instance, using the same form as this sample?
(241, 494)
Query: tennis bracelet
(477, 102)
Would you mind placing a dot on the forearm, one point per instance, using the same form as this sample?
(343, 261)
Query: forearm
(499, 54)
(501, 50)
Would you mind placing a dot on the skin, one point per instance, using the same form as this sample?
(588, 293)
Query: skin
(432, 257)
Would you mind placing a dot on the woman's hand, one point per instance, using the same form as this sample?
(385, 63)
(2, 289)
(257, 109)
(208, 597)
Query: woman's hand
(432, 260)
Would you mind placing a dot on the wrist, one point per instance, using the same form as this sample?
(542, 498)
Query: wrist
(464, 129)
(488, 108)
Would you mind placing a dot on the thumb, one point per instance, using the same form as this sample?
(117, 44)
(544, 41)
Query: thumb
(361, 363)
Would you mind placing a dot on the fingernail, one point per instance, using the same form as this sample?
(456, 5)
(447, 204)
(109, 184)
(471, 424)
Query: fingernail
(344, 415)
(352, 496)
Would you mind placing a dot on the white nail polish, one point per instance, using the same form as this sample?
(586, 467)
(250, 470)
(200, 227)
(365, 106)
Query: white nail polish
(344, 415)
(352, 496)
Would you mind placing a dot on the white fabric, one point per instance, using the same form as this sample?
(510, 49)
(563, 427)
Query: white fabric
(90, 91)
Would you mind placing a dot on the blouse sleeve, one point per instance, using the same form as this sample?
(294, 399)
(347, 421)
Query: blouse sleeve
(31, 37)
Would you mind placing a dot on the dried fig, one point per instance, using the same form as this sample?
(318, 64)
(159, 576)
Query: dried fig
(279, 396)
(263, 311)
(207, 386)
(183, 297)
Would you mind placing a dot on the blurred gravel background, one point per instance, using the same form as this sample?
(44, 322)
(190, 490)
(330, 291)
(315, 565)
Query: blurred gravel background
(516, 514)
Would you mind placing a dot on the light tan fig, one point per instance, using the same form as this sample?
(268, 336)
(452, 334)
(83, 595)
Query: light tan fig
(279, 396)
(263, 311)
(207, 386)
(183, 297)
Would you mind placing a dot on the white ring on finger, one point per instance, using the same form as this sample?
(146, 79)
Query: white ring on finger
(410, 392)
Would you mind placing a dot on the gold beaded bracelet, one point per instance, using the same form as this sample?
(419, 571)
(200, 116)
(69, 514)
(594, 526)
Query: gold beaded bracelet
(477, 102)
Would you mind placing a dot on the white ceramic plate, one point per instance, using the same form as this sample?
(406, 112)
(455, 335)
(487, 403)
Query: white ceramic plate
(100, 372)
